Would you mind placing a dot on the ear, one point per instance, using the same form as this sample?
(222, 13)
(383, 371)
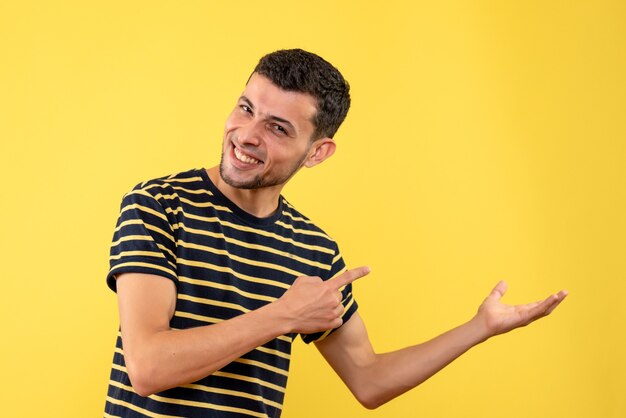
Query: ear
(321, 149)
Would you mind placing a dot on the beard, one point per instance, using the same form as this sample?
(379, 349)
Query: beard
(260, 180)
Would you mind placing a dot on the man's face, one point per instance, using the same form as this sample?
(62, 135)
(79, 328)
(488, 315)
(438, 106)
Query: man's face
(267, 135)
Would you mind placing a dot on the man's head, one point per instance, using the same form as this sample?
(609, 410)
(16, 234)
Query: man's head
(292, 105)
(304, 72)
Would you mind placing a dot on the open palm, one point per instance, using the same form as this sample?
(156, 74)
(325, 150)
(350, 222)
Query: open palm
(499, 318)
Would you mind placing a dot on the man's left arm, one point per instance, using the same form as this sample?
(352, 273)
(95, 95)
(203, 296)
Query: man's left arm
(375, 379)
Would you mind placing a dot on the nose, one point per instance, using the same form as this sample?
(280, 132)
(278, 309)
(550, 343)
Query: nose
(250, 133)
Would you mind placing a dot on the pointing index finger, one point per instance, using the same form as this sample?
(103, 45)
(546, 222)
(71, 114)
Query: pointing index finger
(348, 277)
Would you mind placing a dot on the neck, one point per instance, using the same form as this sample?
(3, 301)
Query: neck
(261, 202)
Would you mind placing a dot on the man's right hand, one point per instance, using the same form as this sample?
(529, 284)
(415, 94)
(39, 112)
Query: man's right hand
(158, 357)
(313, 305)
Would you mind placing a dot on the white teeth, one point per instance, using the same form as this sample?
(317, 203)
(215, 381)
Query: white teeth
(245, 158)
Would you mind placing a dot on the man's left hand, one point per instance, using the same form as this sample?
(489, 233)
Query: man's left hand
(498, 318)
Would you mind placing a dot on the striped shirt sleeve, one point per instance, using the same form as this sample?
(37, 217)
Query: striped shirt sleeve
(144, 240)
(348, 301)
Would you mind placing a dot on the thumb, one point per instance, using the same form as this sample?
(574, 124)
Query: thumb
(499, 290)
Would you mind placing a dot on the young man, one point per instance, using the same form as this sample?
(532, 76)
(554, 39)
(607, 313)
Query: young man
(216, 273)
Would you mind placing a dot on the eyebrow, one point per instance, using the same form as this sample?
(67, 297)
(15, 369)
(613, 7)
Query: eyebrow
(272, 117)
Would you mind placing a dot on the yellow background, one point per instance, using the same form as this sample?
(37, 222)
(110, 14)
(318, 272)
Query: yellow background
(486, 140)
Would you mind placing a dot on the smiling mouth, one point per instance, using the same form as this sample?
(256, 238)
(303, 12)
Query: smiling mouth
(244, 158)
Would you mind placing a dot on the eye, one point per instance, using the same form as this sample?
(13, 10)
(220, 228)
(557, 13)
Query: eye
(245, 108)
(279, 129)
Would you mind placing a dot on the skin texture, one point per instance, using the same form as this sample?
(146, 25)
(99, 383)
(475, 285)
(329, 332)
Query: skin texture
(274, 128)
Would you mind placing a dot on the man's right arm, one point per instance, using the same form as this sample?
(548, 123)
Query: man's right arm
(158, 357)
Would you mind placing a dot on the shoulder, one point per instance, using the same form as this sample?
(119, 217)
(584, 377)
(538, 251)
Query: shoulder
(170, 190)
(187, 180)
(294, 219)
